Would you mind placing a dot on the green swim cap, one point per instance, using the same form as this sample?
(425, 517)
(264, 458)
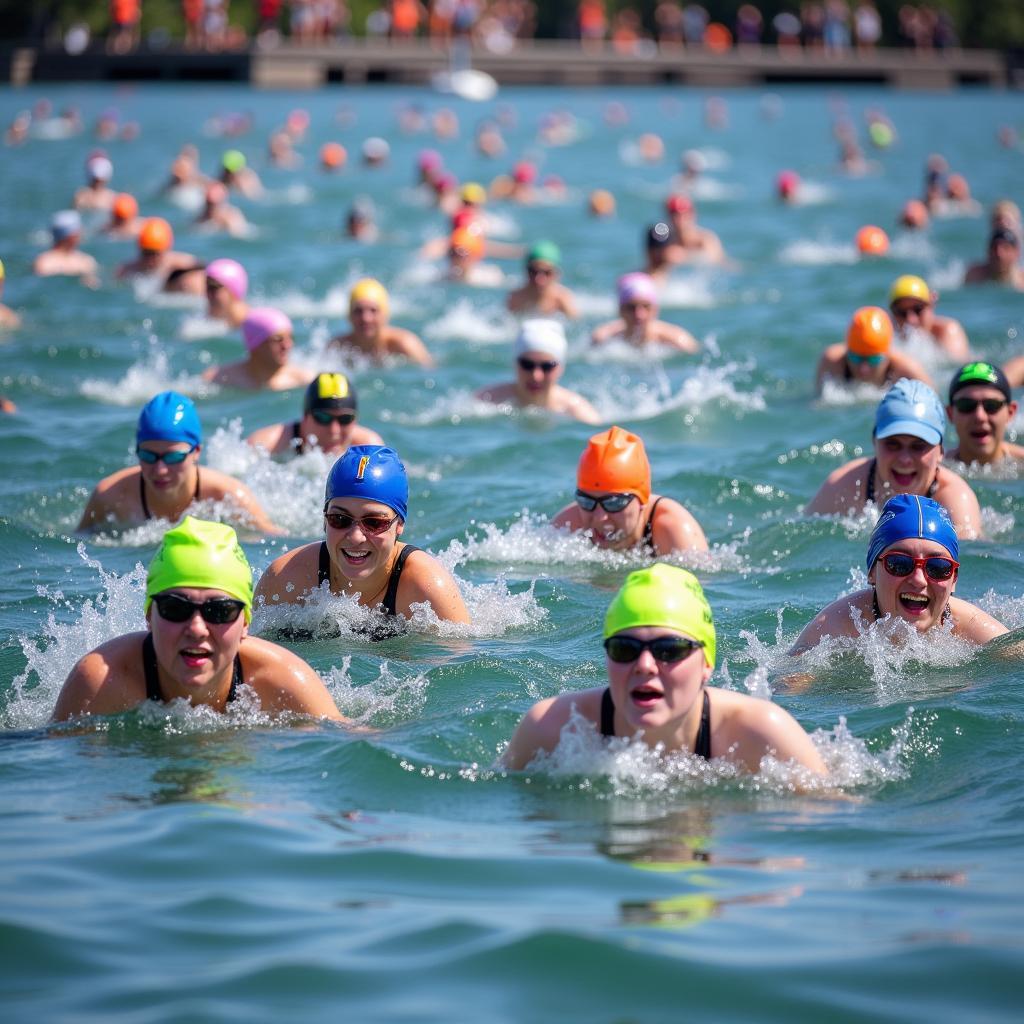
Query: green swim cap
(663, 595)
(545, 252)
(203, 555)
(233, 160)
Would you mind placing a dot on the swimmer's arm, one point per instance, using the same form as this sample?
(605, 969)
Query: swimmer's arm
(434, 249)
(567, 304)
(504, 250)
(273, 586)
(266, 438)
(964, 510)
(95, 513)
(90, 688)
(772, 730)
(582, 410)
(678, 337)
(567, 517)
(824, 370)
(515, 300)
(1014, 371)
(905, 366)
(246, 501)
(954, 339)
(604, 332)
(826, 501)
(429, 581)
(712, 248)
(539, 730)
(409, 345)
(678, 531)
(833, 620)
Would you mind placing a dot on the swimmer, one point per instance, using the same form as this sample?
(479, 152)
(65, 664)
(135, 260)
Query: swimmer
(124, 218)
(787, 187)
(914, 215)
(227, 285)
(912, 306)
(281, 151)
(958, 199)
(1014, 371)
(372, 334)
(64, 258)
(218, 214)
(689, 240)
(543, 294)
(520, 186)
(375, 151)
(867, 357)
(657, 245)
(267, 334)
(980, 407)
(97, 193)
(328, 421)
(196, 645)
(614, 503)
(168, 479)
(540, 351)
(909, 427)
(365, 511)
(659, 641)
(1002, 264)
(601, 203)
(236, 174)
(185, 171)
(466, 248)
(637, 323)
(9, 320)
(177, 272)
(912, 568)
(360, 222)
(1005, 214)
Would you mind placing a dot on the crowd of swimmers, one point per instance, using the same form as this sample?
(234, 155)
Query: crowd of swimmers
(659, 634)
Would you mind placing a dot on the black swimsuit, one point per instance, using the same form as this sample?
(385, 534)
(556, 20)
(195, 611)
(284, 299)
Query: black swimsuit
(647, 540)
(298, 441)
(869, 491)
(153, 691)
(142, 495)
(702, 748)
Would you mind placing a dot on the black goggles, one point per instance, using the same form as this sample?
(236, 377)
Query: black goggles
(610, 502)
(968, 405)
(217, 611)
(324, 418)
(666, 649)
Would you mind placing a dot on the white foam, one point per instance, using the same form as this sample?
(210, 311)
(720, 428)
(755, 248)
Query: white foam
(142, 381)
(692, 291)
(491, 325)
(811, 253)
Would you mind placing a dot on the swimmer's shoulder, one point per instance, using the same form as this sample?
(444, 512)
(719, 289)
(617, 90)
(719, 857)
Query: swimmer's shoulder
(283, 681)
(972, 623)
(298, 567)
(108, 679)
(541, 727)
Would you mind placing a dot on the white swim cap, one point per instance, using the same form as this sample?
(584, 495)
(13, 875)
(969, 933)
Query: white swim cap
(547, 336)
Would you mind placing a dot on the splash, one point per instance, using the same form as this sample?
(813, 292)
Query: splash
(837, 394)
(142, 381)
(806, 252)
(692, 291)
(464, 322)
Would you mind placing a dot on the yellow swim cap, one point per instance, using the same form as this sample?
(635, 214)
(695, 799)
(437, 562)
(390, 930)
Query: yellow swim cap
(663, 595)
(473, 192)
(200, 554)
(910, 287)
(2, 272)
(368, 289)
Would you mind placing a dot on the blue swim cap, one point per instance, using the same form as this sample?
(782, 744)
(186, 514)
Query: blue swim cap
(912, 516)
(373, 472)
(169, 416)
(911, 407)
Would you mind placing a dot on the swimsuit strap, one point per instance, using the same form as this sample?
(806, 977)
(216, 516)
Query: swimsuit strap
(323, 573)
(153, 691)
(648, 537)
(869, 491)
(607, 713)
(142, 494)
(298, 441)
(702, 747)
(387, 606)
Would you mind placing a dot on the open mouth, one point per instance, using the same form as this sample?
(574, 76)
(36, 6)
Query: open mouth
(914, 604)
(355, 556)
(903, 479)
(195, 657)
(645, 696)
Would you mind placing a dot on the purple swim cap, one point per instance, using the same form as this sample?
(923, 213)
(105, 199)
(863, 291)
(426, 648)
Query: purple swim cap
(261, 323)
(231, 274)
(637, 286)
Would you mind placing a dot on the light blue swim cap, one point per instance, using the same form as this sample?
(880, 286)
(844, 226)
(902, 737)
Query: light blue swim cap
(373, 472)
(906, 516)
(911, 407)
(169, 416)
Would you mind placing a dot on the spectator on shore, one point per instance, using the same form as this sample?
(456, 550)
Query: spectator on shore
(668, 19)
(593, 24)
(123, 36)
(867, 26)
(406, 16)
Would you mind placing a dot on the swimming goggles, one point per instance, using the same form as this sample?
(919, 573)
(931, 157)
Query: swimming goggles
(610, 502)
(968, 405)
(666, 649)
(902, 312)
(375, 524)
(216, 611)
(856, 360)
(323, 417)
(936, 567)
(529, 365)
(167, 458)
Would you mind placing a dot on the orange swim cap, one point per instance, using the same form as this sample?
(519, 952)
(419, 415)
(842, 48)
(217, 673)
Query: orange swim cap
(333, 155)
(124, 206)
(872, 241)
(615, 460)
(469, 240)
(156, 235)
(870, 332)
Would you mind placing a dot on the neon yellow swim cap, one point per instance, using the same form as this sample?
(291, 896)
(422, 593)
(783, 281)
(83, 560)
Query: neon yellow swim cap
(233, 160)
(368, 289)
(203, 555)
(663, 595)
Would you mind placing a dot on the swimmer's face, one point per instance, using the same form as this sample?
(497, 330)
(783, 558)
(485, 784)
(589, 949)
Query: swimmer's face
(537, 373)
(541, 274)
(613, 531)
(637, 313)
(218, 298)
(366, 317)
(871, 369)
(170, 479)
(906, 463)
(1003, 254)
(911, 312)
(657, 696)
(279, 346)
(981, 432)
(334, 436)
(917, 598)
(357, 551)
(195, 654)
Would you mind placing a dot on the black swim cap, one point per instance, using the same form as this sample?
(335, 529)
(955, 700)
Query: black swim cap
(331, 391)
(979, 373)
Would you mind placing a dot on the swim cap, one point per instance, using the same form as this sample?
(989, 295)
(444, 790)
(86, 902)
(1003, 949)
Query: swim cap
(3, 273)
(331, 391)
(980, 373)
(263, 322)
(428, 160)
(204, 555)
(787, 183)
(1004, 235)
(155, 235)
(169, 416)
(870, 332)
(541, 335)
(914, 214)
(663, 595)
(368, 289)
(231, 274)
(544, 252)
(524, 173)
(679, 204)
(601, 203)
(99, 168)
(373, 472)
(658, 235)
(333, 155)
(233, 161)
(910, 287)
(469, 240)
(872, 240)
(615, 460)
(124, 206)
(445, 182)
(65, 223)
(474, 193)
(906, 516)
(910, 407)
(375, 150)
(216, 193)
(637, 287)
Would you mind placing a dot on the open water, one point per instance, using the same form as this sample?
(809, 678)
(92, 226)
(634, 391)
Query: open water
(164, 865)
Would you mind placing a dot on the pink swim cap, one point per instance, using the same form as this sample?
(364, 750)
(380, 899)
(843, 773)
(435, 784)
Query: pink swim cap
(263, 322)
(230, 274)
(637, 287)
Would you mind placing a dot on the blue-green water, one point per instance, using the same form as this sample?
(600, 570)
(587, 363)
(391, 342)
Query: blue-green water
(166, 866)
